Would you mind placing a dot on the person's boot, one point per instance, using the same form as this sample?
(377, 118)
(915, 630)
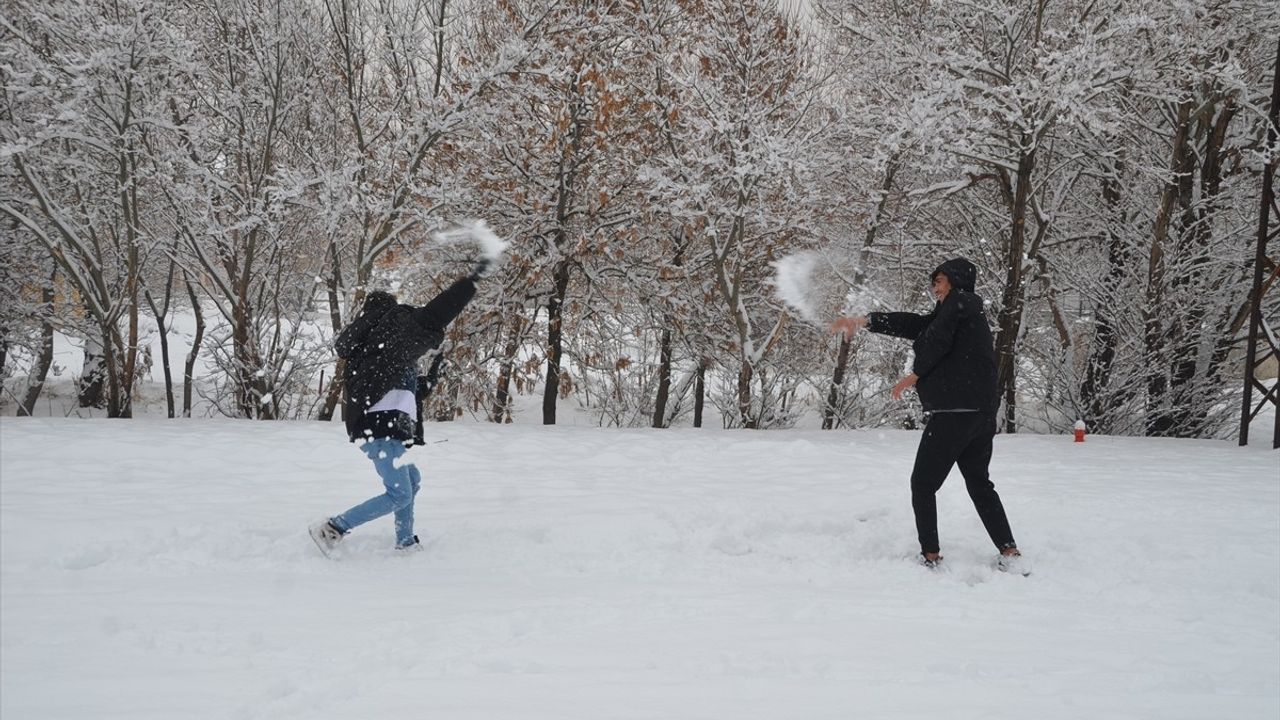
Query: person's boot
(933, 561)
(411, 547)
(326, 535)
(1011, 560)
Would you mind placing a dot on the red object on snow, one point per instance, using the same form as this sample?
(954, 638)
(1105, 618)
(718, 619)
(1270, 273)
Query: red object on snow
(1080, 431)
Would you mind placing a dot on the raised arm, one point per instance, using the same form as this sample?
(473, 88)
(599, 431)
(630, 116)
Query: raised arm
(446, 306)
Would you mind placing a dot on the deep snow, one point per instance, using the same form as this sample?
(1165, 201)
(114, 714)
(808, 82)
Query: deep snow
(161, 569)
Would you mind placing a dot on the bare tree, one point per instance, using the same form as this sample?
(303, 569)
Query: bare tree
(92, 79)
(736, 178)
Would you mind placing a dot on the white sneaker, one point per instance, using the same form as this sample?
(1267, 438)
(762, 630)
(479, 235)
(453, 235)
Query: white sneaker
(326, 536)
(1014, 564)
(412, 547)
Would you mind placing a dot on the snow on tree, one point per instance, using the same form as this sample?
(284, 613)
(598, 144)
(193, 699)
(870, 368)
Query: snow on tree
(1031, 136)
(87, 95)
(650, 163)
(547, 168)
(736, 174)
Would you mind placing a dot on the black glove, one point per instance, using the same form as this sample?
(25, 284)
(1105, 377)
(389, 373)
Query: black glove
(427, 383)
(480, 270)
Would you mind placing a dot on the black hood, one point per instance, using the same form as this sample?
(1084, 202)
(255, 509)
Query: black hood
(378, 302)
(962, 274)
(352, 338)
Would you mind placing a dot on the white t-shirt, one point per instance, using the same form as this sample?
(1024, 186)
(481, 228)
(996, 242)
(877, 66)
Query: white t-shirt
(402, 400)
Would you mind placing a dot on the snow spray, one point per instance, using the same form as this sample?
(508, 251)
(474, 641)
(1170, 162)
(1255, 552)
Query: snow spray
(793, 283)
(476, 231)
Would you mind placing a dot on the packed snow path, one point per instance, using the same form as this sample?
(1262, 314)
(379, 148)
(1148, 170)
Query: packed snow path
(161, 569)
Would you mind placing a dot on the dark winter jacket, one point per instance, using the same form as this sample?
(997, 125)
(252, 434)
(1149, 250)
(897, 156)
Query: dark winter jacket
(382, 347)
(955, 356)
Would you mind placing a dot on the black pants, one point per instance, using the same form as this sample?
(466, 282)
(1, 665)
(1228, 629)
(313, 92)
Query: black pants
(964, 439)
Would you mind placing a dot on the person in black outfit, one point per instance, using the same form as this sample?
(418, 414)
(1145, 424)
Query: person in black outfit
(382, 399)
(955, 375)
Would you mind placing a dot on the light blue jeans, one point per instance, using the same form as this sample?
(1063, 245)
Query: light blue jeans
(402, 483)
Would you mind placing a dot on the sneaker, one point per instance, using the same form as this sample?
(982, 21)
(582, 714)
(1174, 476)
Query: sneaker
(932, 563)
(412, 547)
(326, 535)
(1012, 561)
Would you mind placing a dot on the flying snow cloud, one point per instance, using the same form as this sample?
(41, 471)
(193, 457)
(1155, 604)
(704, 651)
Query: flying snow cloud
(477, 231)
(793, 282)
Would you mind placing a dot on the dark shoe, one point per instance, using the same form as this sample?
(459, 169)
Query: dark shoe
(933, 563)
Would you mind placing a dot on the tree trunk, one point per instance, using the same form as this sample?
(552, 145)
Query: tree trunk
(188, 372)
(245, 362)
(555, 342)
(35, 385)
(112, 342)
(334, 394)
(170, 408)
(745, 374)
(128, 373)
(161, 313)
(92, 382)
(501, 412)
(565, 197)
(1100, 404)
(1010, 318)
(252, 388)
(1159, 415)
(699, 393)
(837, 382)
(664, 380)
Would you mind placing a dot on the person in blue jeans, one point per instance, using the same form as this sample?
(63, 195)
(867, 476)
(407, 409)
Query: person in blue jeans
(382, 348)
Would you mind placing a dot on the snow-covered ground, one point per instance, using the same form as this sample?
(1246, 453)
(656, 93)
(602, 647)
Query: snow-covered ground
(161, 569)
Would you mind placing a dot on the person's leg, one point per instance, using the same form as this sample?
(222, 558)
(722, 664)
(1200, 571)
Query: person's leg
(974, 463)
(396, 480)
(939, 446)
(404, 514)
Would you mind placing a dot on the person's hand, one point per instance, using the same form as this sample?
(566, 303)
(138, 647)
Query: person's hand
(481, 269)
(903, 384)
(849, 326)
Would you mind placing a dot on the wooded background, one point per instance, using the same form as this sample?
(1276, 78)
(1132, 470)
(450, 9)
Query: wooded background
(260, 165)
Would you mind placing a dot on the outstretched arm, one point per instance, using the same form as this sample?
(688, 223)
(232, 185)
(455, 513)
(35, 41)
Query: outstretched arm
(446, 306)
(899, 324)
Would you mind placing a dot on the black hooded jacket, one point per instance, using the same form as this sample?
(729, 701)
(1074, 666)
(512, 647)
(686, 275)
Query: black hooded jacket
(955, 356)
(382, 347)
